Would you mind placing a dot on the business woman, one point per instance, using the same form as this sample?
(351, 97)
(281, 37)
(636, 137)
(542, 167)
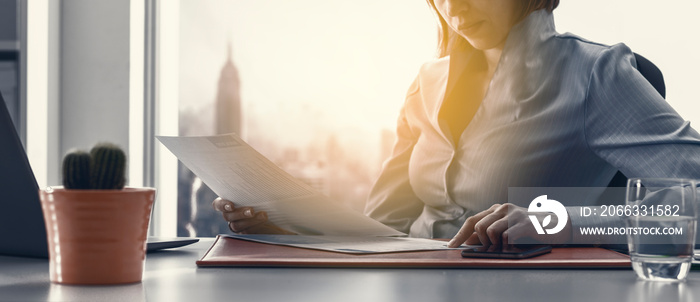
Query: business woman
(512, 103)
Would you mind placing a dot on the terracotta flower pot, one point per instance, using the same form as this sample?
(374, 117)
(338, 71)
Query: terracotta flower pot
(97, 236)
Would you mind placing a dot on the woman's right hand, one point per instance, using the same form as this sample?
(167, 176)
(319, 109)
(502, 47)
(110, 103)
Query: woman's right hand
(244, 220)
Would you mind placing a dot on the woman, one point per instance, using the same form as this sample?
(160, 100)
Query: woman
(512, 103)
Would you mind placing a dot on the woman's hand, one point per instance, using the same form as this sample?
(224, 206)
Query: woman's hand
(244, 220)
(501, 224)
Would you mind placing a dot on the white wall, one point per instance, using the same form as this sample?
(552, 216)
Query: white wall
(94, 73)
(78, 72)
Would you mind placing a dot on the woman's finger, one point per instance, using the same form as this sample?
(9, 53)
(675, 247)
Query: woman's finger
(239, 214)
(223, 205)
(242, 225)
(473, 240)
(519, 232)
(468, 227)
(496, 229)
(481, 227)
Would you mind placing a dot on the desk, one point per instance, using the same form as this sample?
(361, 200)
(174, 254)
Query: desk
(173, 276)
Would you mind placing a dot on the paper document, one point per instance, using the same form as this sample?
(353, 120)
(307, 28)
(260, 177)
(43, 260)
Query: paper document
(235, 171)
(352, 244)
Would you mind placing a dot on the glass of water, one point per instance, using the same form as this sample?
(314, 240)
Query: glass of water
(660, 216)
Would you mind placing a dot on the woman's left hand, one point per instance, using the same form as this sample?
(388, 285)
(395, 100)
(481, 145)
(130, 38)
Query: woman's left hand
(499, 225)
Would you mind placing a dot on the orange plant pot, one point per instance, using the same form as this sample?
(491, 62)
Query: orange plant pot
(97, 236)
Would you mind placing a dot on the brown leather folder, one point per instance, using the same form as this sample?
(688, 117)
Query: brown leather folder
(230, 252)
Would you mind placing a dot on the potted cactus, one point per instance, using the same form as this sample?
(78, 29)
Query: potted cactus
(104, 168)
(96, 228)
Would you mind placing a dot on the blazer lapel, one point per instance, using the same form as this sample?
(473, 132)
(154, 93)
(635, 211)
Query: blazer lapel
(457, 64)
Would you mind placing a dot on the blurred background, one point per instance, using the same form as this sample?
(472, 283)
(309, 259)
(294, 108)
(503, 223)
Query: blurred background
(314, 85)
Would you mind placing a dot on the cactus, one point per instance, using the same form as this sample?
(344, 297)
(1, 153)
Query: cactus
(102, 169)
(108, 163)
(76, 170)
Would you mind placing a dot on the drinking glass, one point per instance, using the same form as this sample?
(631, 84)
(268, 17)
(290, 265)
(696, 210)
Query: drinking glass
(661, 217)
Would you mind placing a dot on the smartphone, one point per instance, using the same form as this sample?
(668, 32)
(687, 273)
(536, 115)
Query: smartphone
(509, 252)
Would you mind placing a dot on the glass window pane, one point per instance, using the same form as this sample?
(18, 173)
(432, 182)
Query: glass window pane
(314, 85)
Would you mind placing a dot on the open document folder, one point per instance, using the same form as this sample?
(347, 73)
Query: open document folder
(350, 244)
(235, 171)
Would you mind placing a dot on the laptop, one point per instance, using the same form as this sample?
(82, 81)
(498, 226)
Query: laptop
(22, 230)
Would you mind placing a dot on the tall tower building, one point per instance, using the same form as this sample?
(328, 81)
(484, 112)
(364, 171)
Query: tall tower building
(228, 115)
(195, 215)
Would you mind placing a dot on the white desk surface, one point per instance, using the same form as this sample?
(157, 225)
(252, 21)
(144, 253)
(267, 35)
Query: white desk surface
(173, 276)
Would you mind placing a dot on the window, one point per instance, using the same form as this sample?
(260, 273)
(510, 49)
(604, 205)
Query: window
(316, 85)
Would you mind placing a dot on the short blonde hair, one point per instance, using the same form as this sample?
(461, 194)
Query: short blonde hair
(448, 40)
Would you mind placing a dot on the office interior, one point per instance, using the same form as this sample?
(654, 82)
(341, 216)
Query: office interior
(77, 72)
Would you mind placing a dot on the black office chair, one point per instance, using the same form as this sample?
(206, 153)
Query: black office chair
(656, 78)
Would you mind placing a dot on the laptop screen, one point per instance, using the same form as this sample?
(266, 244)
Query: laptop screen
(22, 231)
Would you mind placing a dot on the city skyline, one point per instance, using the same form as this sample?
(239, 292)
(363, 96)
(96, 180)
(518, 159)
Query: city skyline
(323, 163)
(314, 74)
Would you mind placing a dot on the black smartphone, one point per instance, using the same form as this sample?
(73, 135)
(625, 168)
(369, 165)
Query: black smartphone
(509, 252)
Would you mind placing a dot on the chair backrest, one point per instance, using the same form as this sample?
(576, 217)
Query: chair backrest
(651, 73)
(656, 78)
